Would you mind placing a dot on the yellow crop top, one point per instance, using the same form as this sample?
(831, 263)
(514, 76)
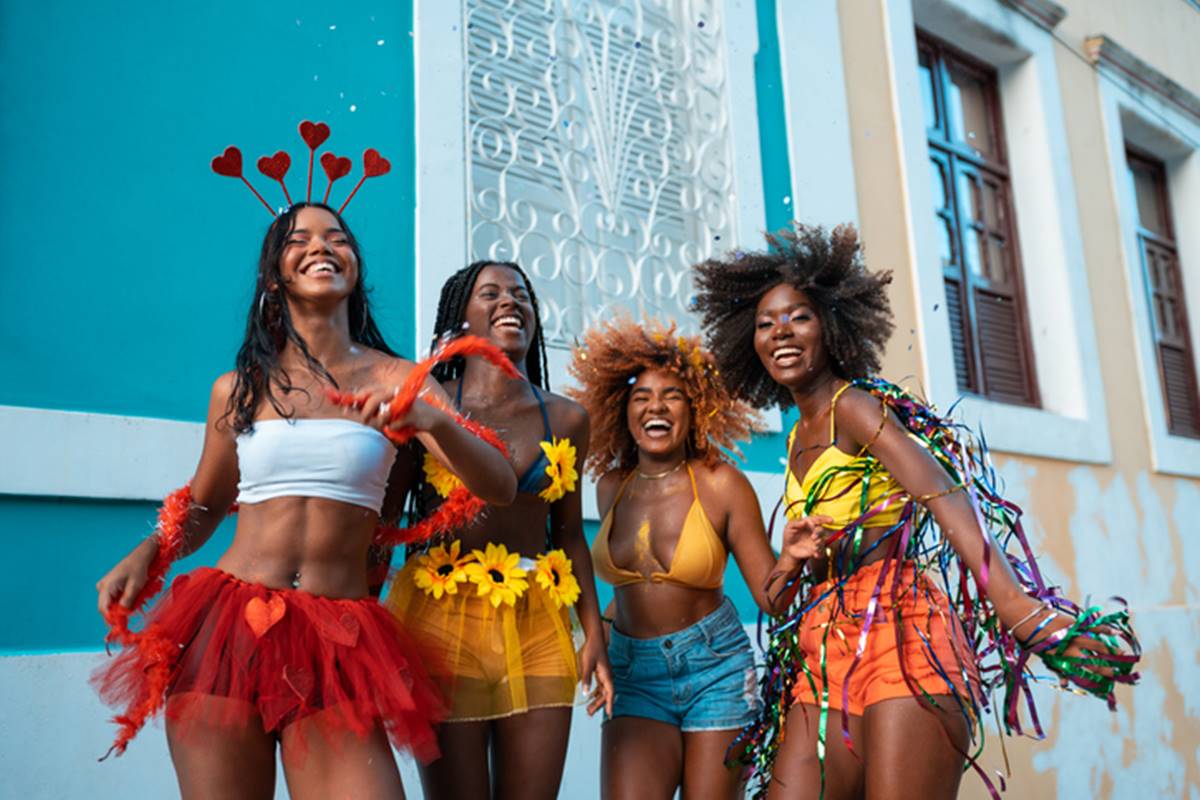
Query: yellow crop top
(837, 478)
(698, 561)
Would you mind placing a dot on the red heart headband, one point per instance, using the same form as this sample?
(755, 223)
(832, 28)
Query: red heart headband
(276, 167)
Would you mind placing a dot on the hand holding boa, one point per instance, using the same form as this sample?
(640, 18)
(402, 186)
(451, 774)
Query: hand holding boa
(158, 654)
(460, 507)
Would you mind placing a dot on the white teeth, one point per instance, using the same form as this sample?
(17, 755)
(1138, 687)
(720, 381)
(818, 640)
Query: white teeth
(322, 267)
(509, 320)
(657, 424)
(785, 352)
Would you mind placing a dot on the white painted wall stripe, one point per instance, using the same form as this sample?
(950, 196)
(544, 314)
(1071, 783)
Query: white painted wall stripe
(76, 454)
(51, 453)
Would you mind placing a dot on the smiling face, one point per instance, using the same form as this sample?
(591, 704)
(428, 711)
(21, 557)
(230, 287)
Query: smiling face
(658, 413)
(788, 337)
(318, 261)
(501, 310)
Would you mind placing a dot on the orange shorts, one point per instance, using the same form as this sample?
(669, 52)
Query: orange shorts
(878, 676)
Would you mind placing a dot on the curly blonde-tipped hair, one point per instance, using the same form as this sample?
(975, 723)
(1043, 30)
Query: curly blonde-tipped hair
(614, 354)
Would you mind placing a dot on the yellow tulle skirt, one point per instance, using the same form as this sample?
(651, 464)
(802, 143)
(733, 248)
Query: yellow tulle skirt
(499, 643)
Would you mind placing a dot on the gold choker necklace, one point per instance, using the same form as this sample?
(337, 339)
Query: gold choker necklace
(657, 475)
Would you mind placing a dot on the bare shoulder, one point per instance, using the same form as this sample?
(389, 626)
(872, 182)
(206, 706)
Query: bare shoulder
(722, 480)
(566, 416)
(388, 368)
(606, 489)
(222, 388)
(858, 414)
(220, 400)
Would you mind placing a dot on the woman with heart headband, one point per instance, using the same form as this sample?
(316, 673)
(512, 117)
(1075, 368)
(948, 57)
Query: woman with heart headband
(926, 597)
(673, 509)
(494, 601)
(282, 645)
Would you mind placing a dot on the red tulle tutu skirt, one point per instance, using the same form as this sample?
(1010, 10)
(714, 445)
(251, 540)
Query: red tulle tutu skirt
(240, 652)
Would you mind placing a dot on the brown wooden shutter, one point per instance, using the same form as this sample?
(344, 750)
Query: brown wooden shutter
(1000, 347)
(1164, 288)
(977, 229)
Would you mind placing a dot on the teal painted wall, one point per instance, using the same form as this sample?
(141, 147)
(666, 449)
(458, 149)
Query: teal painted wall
(58, 550)
(132, 263)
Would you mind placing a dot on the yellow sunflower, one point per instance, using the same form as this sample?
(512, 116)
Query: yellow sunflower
(554, 574)
(439, 476)
(497, 575)
(560, 454)
(440, 571)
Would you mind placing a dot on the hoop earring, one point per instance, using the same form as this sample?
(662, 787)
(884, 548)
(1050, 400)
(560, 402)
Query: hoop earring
(262, 299)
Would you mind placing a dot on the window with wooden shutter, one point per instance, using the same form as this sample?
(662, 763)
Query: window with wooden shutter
(1164, 290)
(976, 226)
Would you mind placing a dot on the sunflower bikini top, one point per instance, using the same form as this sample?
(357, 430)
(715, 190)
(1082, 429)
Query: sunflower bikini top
(833, 484)
(699, 558)
(556, 461)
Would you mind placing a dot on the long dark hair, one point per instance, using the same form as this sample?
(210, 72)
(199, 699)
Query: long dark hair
(269, 326)
(452, 308)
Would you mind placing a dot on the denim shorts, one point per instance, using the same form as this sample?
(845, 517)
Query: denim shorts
(701, 678)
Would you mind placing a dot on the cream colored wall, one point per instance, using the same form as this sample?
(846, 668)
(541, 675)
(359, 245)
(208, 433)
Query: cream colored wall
(1119, 528)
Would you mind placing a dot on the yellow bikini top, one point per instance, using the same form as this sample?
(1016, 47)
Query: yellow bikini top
(698, 561)
(837, 479)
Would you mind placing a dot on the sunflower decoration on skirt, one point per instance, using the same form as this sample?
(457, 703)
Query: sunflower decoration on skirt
(555, 575)
(439, 476)
(497, 575)
(560, 467)
(440, 571)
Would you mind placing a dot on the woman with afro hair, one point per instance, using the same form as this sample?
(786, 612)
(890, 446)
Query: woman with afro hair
(673, 508)
(915, 608)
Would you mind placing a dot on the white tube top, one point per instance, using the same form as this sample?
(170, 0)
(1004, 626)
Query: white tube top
(337, 459)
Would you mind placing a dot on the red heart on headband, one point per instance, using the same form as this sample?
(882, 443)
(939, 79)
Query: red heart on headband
(275, 166)
(334, 166)
(375, 164)
(228, 163)
(314, 134)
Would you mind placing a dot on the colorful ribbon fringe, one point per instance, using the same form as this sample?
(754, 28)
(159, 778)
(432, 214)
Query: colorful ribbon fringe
(915, 539)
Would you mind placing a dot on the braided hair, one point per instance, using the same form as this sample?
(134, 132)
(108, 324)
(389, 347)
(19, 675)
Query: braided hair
(452, 309)
(451, 312)
(852, 303)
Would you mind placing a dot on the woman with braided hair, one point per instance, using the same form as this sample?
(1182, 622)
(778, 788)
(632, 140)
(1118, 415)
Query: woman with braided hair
(917, 606)
(493, 602)
(282, 644)
(673, 509)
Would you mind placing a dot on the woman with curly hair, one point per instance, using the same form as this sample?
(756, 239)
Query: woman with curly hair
(673, 508)
(914, 610)
(494, 604)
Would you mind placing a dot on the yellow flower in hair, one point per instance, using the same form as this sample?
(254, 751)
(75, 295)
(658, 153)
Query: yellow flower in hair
(440, 571)
(554, 574)
(560, 455)
(439, 476)
(497, 575)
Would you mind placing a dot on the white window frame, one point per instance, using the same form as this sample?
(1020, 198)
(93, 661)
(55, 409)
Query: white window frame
(441, 191)
(1072, 422)
(441, 234)
(1147, 123)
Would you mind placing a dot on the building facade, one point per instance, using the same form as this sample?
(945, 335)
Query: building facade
(1027, 169)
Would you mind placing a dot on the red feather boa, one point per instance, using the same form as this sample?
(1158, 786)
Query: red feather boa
(460, 507)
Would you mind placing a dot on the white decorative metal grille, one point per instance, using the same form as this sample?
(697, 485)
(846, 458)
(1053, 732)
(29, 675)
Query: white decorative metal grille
(599, 151)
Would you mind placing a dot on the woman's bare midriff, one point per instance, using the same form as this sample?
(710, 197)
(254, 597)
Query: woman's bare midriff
(647, 610)
(308, 543)
(520, 527)
(819, 567)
